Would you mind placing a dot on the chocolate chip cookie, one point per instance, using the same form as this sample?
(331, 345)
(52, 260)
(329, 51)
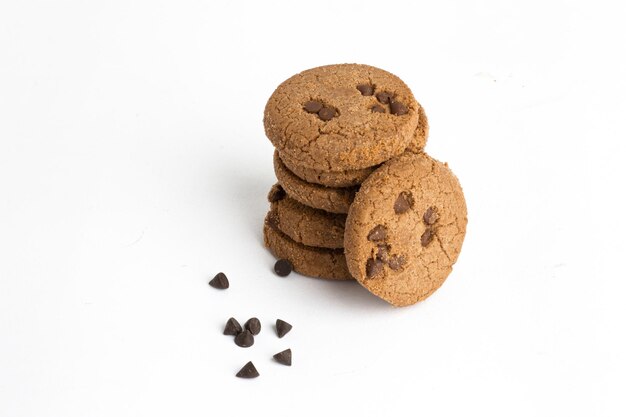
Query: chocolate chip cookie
(306, 225)
(354, 177)
(306, 260)
(333, 200)
(341, 117)
(405, 229)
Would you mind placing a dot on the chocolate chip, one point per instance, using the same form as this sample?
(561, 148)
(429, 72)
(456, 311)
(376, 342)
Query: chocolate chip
(282, 327)
(248, 371)
(383, 253)
(219, 281)
(273, 220)
(384, 97)
(396, 262)
(313, 106)
(366, 89)
(427, 236)
(373, 267)
(253, 325)
(244, 339)
(284, 357)
(377, 233)
(283, 267)
(377, 108)
(327, 113)
(398, 108)
(232, 327)
(276, 193)
(431, 216)
(403, 203)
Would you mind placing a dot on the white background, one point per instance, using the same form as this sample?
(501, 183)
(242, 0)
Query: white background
(133, 168)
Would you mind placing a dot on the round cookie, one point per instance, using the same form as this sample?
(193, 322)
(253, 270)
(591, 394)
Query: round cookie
(334, 200)
(306, 260)
(341, 117)
(306, 225)
(355, 177)
(405, 229)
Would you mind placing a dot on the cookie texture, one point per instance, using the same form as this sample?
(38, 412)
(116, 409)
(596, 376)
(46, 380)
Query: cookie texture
(333, 200)
(348, 178)
(405, 229)
(354, 177)
(341, 117)
(306, 225)
(420, 137)
(306, 260)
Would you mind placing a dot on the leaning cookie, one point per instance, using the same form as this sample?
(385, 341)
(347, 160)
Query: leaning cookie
(405, 229)
(341, 117)
(306, 225)
(354, 177)
(306, 260)
(333, 200)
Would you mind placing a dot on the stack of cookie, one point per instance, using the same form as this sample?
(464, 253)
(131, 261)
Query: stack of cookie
(357, 198)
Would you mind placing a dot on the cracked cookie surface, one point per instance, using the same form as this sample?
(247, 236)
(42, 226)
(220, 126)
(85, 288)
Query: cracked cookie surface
(405, 229)
(350, 178)
(306, 225)
(306, 260)
(341, 117)
(331, 199)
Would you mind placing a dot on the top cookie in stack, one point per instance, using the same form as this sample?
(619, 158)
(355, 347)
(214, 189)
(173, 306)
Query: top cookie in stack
(333, 127)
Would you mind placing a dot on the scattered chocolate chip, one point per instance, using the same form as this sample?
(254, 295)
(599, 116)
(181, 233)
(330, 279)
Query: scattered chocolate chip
(327, 113)
(403, 203)
(273, 220)
(396, 262)
(377, 108)
(313, 106)
(253, 325)
(232, 328)
(373, 267)
(282, 327)
(366, 89)
(377, 233)
(283, 267)
(398, 108)
(384, 97)
(284, 357)
(383, 253)
(248, 371)
(244, 339)
(427, 236)
(431, 216)
(276, 193)
(219, 281)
